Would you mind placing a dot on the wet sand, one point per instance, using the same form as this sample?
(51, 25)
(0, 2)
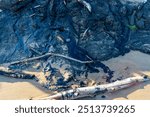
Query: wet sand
(132, 64)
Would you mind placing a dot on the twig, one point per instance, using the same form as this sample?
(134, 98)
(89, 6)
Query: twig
(46, 55)
(94, 90)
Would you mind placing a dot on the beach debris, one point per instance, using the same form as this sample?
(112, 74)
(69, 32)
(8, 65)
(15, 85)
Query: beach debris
(46, 55)
(15, 74)
(95, 90)
(86, 4)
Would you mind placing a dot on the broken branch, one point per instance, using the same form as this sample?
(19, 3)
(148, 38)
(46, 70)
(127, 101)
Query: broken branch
(47, 55)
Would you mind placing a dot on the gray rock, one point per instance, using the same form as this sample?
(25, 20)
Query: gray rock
(102, 47)
(139, 40)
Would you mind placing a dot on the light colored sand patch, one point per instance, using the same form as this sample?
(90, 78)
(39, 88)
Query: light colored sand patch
(132, 64)
(39, 75)
(20, 89)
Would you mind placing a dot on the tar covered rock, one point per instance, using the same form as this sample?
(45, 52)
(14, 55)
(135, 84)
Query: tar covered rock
(88, 31)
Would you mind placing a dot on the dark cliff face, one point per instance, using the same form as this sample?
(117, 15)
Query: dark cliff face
(82, 29)
(102, 30)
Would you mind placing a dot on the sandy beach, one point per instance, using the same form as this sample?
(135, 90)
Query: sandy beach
(132, 64)
(14, 89)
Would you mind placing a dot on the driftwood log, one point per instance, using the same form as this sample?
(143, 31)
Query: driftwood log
(15, 74)
(95, 90)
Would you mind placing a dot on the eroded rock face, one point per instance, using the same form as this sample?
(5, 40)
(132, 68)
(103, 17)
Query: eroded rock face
(102, 33)
(106, 47)
(85, 29)
(140, 40)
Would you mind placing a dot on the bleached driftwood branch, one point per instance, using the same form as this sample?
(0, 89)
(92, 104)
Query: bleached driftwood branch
(46, 55)
(15, 74)
(94, 90)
